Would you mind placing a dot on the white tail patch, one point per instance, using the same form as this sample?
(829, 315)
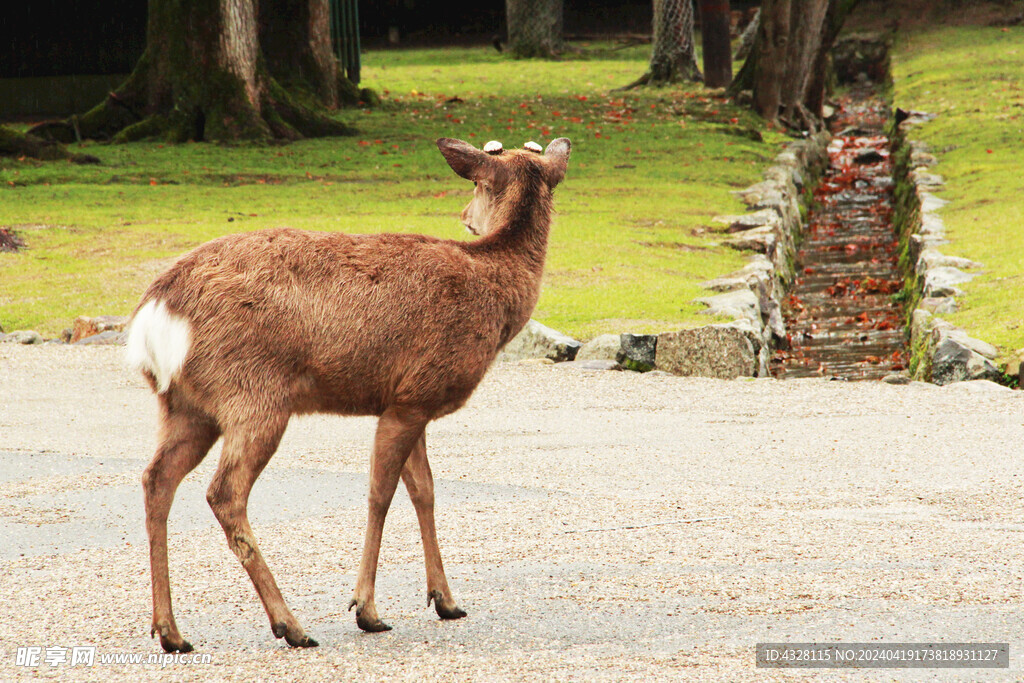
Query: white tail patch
(158, 341)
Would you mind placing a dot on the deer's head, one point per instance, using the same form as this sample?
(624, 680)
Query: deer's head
(494, 169)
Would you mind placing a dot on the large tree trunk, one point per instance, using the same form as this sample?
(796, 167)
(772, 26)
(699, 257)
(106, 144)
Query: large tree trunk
(203, 77)
(806, 32)
(714, 29)
(771, 49)
(535, 27)
(296, 39)
(673, 54)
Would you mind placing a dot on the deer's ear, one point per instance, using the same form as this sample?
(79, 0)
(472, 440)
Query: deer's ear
(465, 159)
(557, 155)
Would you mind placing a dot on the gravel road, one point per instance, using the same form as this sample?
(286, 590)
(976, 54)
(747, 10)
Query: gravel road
(831, 512)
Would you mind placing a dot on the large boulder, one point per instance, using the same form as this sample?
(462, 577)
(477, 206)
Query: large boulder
(933, 258)
(939, 305)
(725, 352)
(762, 240)
(748, 221)
(539, 341)
(956, 362)
(978, 346)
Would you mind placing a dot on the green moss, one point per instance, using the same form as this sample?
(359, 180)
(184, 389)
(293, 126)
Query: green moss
(920, 364)
(635, 365)
(152, 127)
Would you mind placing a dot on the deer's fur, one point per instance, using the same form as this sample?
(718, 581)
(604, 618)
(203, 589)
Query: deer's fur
(249, 329)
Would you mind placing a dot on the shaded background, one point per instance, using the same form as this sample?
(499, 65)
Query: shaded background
(76, 37)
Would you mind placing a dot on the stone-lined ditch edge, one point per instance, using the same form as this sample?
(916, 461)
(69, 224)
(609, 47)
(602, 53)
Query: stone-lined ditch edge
(940, 352)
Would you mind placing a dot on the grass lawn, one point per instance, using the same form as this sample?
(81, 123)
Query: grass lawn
(973, 78)
(629, 247)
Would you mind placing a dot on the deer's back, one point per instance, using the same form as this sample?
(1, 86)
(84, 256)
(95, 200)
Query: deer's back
(304, 322)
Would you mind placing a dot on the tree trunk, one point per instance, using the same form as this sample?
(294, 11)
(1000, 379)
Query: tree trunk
(807, 29)
(748, 35)
(771, 49)
(535, 27)
(674, 55)
(838, 10)
(296, 39)
(202, 76)
(714, 28)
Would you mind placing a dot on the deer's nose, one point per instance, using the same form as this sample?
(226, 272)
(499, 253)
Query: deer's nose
(467, 222)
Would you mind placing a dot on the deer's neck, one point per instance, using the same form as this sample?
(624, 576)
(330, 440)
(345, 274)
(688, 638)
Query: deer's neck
(521, 226)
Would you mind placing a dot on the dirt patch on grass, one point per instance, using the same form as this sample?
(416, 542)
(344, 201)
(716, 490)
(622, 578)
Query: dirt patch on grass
(10, 242)
(674, 245)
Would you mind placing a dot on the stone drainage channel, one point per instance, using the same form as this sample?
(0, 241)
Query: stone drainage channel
(841, 316)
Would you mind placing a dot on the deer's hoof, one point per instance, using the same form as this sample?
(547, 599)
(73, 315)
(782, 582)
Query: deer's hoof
(293, 636)
(453, 613)
(371, 625)
(178, 645)
(170, 639)
(367, 619)
(445, 611)
(304, 641)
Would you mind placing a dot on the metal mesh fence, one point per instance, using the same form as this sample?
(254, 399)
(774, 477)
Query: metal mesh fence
(673, 54)
(535, 27)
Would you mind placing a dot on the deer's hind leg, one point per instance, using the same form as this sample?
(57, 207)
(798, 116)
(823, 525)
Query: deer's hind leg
(420, 483)
(247, 450)
(185, 438)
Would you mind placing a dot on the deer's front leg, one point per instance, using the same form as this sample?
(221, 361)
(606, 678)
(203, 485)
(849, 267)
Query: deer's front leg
(419, 481)
(397, 432)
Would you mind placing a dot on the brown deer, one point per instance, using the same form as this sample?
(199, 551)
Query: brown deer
(247, 330)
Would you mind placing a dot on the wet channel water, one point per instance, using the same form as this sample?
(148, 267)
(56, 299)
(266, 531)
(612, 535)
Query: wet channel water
(840, 314)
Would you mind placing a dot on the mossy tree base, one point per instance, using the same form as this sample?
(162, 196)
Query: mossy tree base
(662, 77)
(125, 116)
(204, 76)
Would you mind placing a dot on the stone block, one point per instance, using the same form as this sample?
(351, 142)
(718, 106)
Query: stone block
(712, 351)
(539, 341)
